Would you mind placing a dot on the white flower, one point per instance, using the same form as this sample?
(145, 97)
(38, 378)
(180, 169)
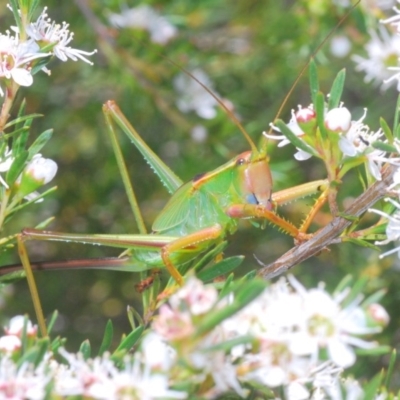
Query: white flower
(5, 164)
(375, 159)
(395, 20)
(193, 97)
(392, 229)
(16, 58)
(41, 169)
(338, 119)
(156, 353)
(348, 389)
(197, 298)
(328, 325)
(16, 325)
(381, 50)
(23, 382)
(47, 31)
(357, 137)
(358, 140)
(10, 343)
(293, 125)
(144, 17)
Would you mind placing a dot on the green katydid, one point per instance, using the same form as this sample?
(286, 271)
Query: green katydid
(200, 213)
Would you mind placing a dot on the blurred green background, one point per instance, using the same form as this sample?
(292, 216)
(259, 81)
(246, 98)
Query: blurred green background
(252, 51)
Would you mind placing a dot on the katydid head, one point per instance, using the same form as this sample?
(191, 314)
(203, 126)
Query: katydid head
(255, 178)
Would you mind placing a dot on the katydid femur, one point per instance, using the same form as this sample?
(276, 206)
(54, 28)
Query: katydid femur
(200, 213)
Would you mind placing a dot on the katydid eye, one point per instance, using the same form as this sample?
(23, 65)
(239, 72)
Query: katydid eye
(240, 161)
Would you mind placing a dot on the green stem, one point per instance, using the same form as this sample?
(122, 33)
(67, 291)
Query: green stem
(32, 286)
(3, 206)
(9, 97)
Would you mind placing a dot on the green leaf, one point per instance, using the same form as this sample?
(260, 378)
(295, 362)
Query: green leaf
(53, 319)
(386, 130)
(17, 167)
(376, 351)
(26, 203)
(384, 146)
(356, 288)
(371, 389)
(320, 111)
(85, 349)
(40, 63)
(132, 315)
(129, 341)
(12, 277)
(337, 90)
(362, 243)
(389, 372)
(37, 145)
(209, 256)
(313, 76)
(35, 354)
(250, 275)
(224, 267)
(18, 121)
(33, 6)
(227, 288)
(396, 119)
(107, 338)
(295, 140)
(228, 344)
(374, 298)
(348, 217)
(17, 17)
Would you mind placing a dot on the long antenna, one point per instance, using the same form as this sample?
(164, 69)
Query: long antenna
(229, 112)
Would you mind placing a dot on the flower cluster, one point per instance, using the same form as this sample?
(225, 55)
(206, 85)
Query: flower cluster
(348, 138)
(299, 339)
(289, 340)
(383, 53)
(41, 39)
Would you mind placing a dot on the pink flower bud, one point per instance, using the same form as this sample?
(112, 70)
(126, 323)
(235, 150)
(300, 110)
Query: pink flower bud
(16, 325)
(10, 343)
(378, 314)
(338, 119)
(304, 115)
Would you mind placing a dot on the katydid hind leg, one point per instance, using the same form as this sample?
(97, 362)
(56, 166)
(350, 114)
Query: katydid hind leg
(167, 177)
(130, 192)
(32, 285)
(209, 234)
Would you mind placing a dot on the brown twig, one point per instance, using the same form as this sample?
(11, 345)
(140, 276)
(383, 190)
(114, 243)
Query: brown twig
(330, 233)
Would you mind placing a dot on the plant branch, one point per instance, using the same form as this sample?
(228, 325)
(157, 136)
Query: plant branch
(330, 233)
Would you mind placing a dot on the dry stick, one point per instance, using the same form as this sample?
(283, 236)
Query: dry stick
(329, 234)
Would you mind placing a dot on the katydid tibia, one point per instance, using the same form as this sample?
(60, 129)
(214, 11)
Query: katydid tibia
(200, 213)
